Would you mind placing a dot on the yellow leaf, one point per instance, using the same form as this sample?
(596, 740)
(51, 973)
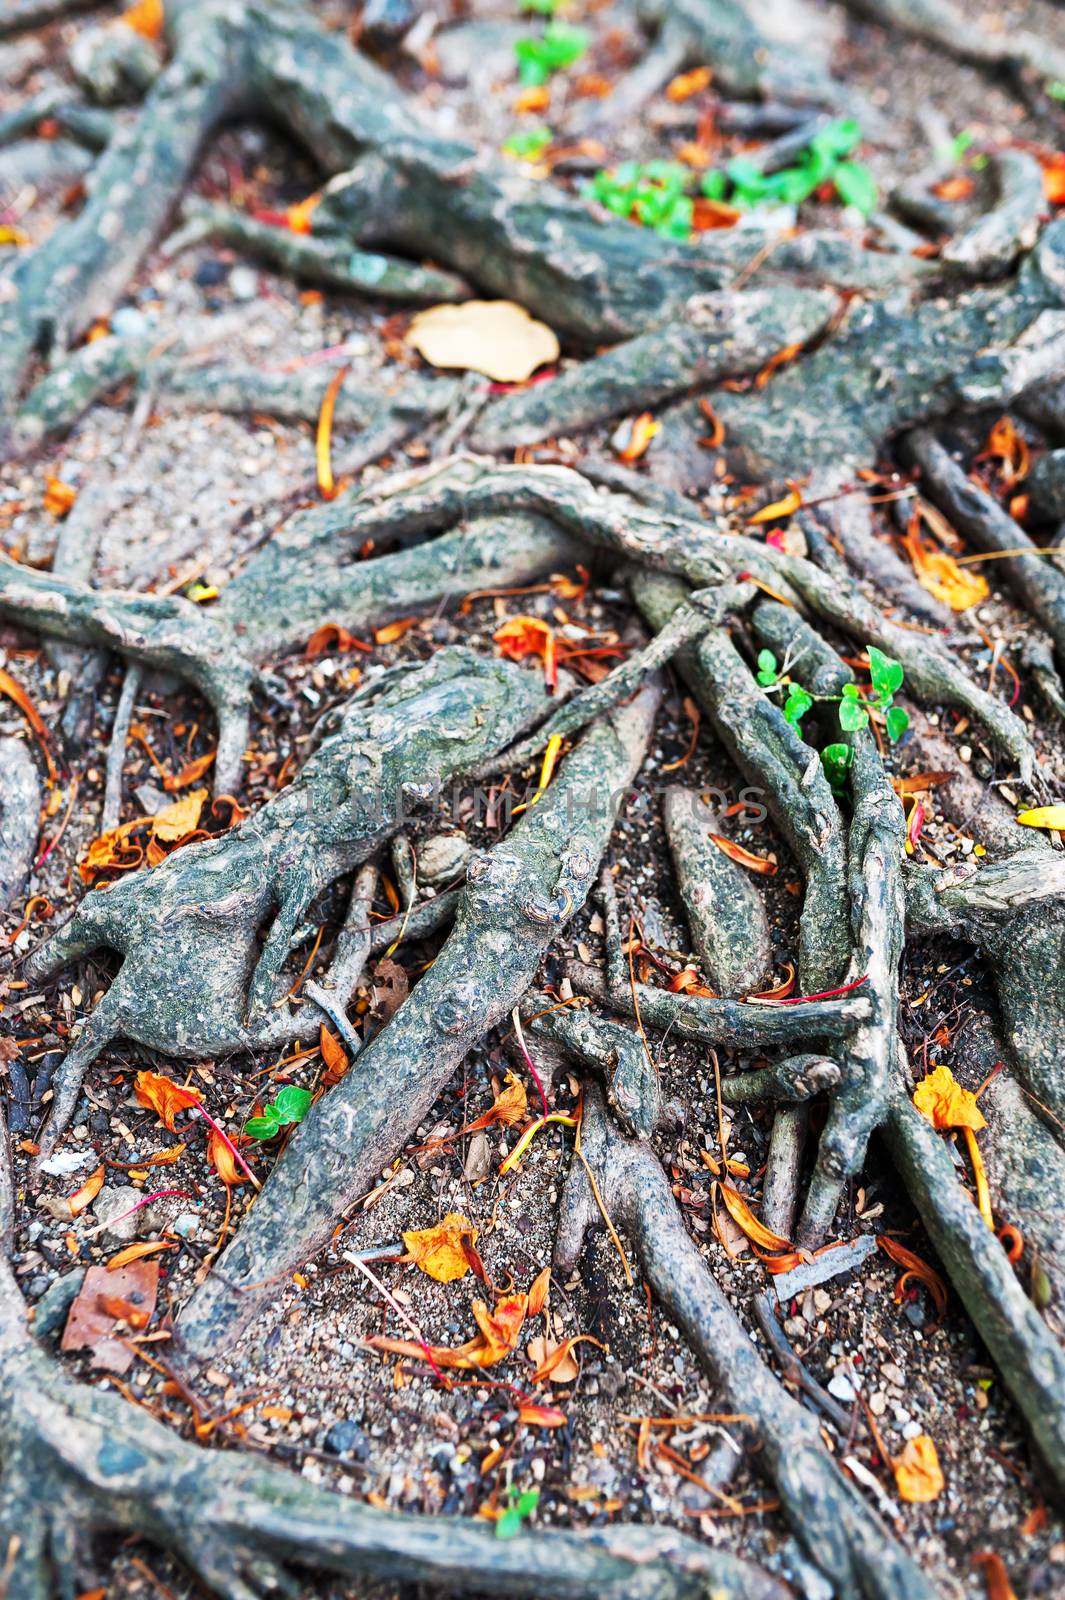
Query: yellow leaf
(941, 1098)
(939, 573)
(439, 1251)
(163, 1096)
(175, 821)
(12, 235)
(59, 497)
(744, 1218)
(136, 1252)
(779, 509)
(494, 337)
(918, 1475)
(146, 18)
(1043, 817)
(642, 430)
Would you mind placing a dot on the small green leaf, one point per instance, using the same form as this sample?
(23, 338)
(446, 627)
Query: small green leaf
(856, 186)
(545, 8)
(527, 1502)
(852, 715)
(798, 704)
(508, 1524)
(886, 674)
(1056, 89)
(767, 668)
(748, 177)
(836, 758)
(714, 184)
(838, 139)
(851, 691)
(896, 721)
(528, 144)
(264, 1127)
(291, 1104)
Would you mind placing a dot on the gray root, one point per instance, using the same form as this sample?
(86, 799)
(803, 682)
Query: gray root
(726, 916)
(20, 809)
(616, 1053)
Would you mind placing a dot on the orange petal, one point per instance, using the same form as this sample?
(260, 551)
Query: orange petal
(744, 1218)
(745, 858)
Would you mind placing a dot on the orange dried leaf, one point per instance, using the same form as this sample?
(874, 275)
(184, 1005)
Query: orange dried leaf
(686, 84)
(959, 187)
(439, 1251)
(136, 1252)
(779, 508)
(334, 1055)
(1054, 181)
(189, 772)
(996, 1578)
(539, 1292)
(523, 636)
(14, 691)
(324, 437)
(181, 818)
(918, 1475)
(555, 1360)
(147, 18)
(642, 430)
(939, 573)
(299, 217)
(59, 497)
(83, 1197)
(744, 1218)
(535, 1416)
(163, 1096)
(537, 98)
(332, 637)
(496, 1340)
(716, 437)
(220, 1155)
(744, 858)
(941, 1098)
(775, 362)
(914, 1267)
(394, 630)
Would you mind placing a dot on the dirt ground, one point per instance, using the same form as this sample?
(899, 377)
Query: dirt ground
(185, 495)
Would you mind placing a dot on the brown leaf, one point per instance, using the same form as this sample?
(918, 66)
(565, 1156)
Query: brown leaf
(65, 1210)
(189, 773)
(539, 1292)
(130, 1290)
(175, 821)
(334, 1055)
(391, 987)
(494, 337)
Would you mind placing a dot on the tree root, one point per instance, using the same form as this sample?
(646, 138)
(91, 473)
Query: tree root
(619, 1055)
(728, 923)
(720, 336)
(841, 1535)
(77, 1460)
(990, 245)
(942, 23)
(20, 807)
(197, 915)
(518, 896)
(20, 15)
(794, 1078)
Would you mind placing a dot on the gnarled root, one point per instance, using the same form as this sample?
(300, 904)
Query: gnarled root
(517, 897)
(20, 806)
(840, 1533)
(198, 914)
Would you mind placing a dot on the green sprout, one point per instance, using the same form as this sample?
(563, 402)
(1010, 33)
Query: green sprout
(886, 676)
(652, 192)
(835, 759)
(510, 1522)
(528, 144)
(559, 46)
(291, 1106)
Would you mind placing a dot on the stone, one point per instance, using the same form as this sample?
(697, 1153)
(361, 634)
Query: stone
(111, 1204)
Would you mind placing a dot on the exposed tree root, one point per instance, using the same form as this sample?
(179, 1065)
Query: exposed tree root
(629, 1076)
(518, 896)
(947, 25)
(75, 1460)
(728, 923)
(838, 1530)
(20, 806)
(197, 915)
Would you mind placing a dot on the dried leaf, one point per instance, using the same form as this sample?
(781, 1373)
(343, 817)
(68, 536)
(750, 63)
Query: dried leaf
(493, 337)
(131, 1292)
(178, 820)
(914, 1267)
(716, 437)
(996, 1578)
(775, 362)
(66, 1209)
(440, 1251)
(641, 430)
(330, 638)
(137, 1252)
(391, 987)
(1006, 445)
(745, 858)
(59, 497)
(189, 772)
(939, 573)
(334, 1055)
(220, 1155)
(147, 18)
(941, 1098)
(394, 630)
(496, 1340)
(918, 1475)
(323, 444)
(299, 218)
(539, 1292)
(511, 1105)
(1054, 182)
(554, 1360)
(959, 187)
(166, 1098)
(686, 84)
(14, 691)
(523, 636)
(778, 509)
(744, 1218)
(1043, 817)
(535, 1416)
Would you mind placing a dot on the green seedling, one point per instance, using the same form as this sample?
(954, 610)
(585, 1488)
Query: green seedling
(290, 1106)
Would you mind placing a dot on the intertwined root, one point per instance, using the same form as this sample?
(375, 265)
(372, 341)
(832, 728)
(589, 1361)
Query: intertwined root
(196, 917)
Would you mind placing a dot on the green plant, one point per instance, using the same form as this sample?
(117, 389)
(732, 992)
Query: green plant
(652, 192)
(886, 677)
(290, 1106)
(836, 758)
(512, 1518)
(557, 47)
(743, 183)
(528, 144)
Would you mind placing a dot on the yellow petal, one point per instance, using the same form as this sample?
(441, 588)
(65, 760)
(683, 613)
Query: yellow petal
(1043, 817)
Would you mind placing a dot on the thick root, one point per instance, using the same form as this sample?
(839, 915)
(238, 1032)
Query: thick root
(20, 807)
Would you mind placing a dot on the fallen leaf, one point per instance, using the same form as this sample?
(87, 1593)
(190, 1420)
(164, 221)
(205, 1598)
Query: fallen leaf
(918, 1475)
(391, 987)
(181, 818)
(511, 1105)
(394, 630)
(496, 1339)
(523, 636)
(220, 1155)
(323, 444)
(1006, 445)
(439, 1251)
(716, 437)
(334, 1055)
(779, 508)
(493, 337)
(163, 1096)
(59, 497)
(939, 573)
(1043, 817)
(535, 1416)
(147, 18)
(9, 234)
(539, 1292)
(745, 858)
(959, 187)
(330, 638)
(775, 362)
(709, 215)
(744, 1218)
(941, 1098)
(299, 218)
(65, 1209)
(554, 1360)
(131, 1292)
(14, 691)
(914, 1267)
(1054, 181)
(996, 1578)
(685, 84)
(641, 430)
(189, 772)
(137, 1252)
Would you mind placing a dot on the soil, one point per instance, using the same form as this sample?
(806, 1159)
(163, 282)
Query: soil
(186, 496)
